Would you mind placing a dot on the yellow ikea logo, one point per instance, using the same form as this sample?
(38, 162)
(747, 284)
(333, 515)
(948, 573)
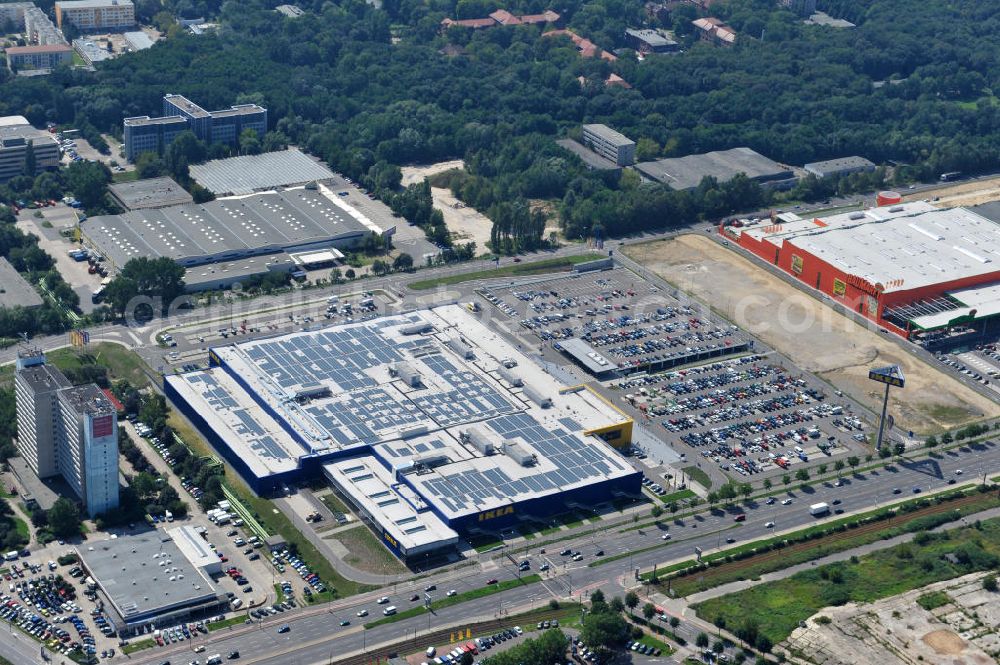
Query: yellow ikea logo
(499, 512)
(389, 539)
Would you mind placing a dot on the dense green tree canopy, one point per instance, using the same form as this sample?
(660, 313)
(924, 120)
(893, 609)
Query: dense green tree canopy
(911, 84)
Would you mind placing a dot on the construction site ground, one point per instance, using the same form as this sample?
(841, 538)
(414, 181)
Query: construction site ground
(968, 193)
(464, 222)
(898, 631)
(812, 334)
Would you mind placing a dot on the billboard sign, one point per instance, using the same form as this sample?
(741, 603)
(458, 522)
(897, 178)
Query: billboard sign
(839, 287)
(891, 375)
(101, 426)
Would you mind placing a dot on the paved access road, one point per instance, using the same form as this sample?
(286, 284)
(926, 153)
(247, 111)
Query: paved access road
(315, 634)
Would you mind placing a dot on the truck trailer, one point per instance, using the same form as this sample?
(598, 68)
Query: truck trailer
(818, 509)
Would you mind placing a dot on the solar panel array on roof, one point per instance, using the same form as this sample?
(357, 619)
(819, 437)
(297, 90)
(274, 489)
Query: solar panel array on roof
(471, 398)
(258, 440)
(363, 415)
(575, 461)
(339, 356)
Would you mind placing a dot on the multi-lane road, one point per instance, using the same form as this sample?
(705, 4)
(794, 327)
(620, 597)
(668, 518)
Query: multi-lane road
(316, 636)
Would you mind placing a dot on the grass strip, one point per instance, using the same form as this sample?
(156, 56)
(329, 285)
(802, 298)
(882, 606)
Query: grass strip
(777, 607)
(456, 599)
(751, 560)
(132, 647)
(699, 476)
(226, 623)
(677, 496)
(515, 270)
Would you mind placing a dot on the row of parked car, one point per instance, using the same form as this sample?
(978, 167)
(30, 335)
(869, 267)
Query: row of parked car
(644, 649)
(285, 557)
(43, 598)
(179, 633)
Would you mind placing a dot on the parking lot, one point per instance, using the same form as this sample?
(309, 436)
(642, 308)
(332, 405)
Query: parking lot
(980, 363)
(634, 325)
(47, 228)
(746, 414)
(53, 601)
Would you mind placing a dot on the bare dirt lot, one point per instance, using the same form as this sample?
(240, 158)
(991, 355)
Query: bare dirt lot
(414, 174)
(897, 631)
(465, 223)
(963, 194)
(811, 334)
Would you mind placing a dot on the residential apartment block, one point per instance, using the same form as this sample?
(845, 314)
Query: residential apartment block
(42, 56)
(714, 31)
(38, 28)
(145, 134)
(88, 15)
(69, 431)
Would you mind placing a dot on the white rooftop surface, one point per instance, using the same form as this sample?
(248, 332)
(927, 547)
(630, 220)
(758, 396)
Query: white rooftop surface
(416, 430)
(901, 247)
(399, 511)
(145, 573)
(940, 319)
(194, 547)
(239, 421)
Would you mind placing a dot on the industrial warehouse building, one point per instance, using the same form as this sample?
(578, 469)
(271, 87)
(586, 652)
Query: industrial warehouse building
(160, 192)
(908, 266)
(429, 423)
(682, 173)
(838, 168)
(155, 578)
(15, 291)
(254, 173)
(265, 225)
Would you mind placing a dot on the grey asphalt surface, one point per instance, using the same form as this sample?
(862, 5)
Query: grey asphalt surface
(315, 633)
(316, 636)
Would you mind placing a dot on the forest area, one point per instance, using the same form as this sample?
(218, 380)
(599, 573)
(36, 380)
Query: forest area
(371, 89)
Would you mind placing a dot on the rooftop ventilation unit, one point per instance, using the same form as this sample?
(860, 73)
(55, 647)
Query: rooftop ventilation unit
(461, 348)
(510, 377)
(514, 451)
(475, 437)
(417, 329)
(537, 397)
(407, 374)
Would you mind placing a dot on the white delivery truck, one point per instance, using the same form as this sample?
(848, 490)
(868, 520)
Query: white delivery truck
(818, 509)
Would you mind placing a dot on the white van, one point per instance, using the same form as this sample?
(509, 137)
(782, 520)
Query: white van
(430, 652)
(214, 660)
(237, 604)
(389, 611)
(798, 449)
